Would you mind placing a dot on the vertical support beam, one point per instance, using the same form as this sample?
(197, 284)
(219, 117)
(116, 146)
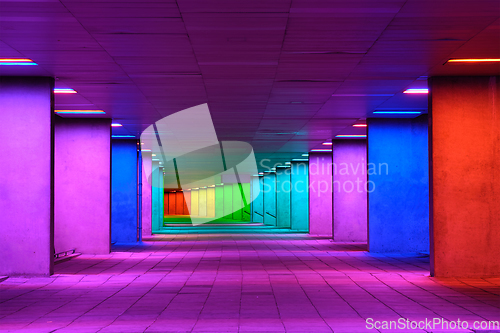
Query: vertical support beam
(228, 201)
(156, 205)
(211, 202)
(237, 202)
(82, 185)
(146, 194)
(179, 202)
(202, 202)
(195, 203)
(320, 194)
(219, 201)
(124, 191)
(257, 199)
(465, 176)
(283, 186)
(269, 190)
(187, 202)
(299, 196)
(26, 176)
(398, 174)
(166, 204)
(161, 196)
(172, 203)
(247, 210)
(350, 197)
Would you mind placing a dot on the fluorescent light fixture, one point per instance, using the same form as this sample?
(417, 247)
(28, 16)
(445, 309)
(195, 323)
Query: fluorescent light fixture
(475, 60)
(300, 159)
(283, 166)
(321, 150)
(123, 136)
(360, 95)
(327, 143)
(288, 162)
(64, 91)
(305, 155)
(155, 159)
(80, 111)
(360, 125)
(116, 125)
(416, 91)
(397, 112)
(261, 173)
(212, 186)
(17, 62)
(153, 154)
(351, 136)
(146, 149)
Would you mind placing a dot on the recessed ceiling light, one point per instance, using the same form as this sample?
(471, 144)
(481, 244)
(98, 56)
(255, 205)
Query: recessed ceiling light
(116, 125)
(351, 136)
(146, 149)
(64, 91)
(416, 91)
(321, 150)
(327, 143)
(305, 154)
(360, 125)
(123, 136)
(300, 159)
(80, 111)
(153, 154)
(475, 60)
(288, 162)
(17, 62)
(397, 112)
(362, 95)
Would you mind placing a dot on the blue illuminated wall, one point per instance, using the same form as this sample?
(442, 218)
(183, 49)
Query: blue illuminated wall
(398, 171)
(283, 186)
(123, 191)
(257, 199)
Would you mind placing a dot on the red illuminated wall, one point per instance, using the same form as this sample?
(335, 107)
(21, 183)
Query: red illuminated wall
(465, 176)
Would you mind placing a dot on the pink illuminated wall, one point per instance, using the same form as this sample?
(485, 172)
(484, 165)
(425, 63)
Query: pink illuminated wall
(146, 195)
(320, 194)
(349, 191)
(82, 185)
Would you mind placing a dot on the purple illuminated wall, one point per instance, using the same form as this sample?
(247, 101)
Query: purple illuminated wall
(26, 176)
(320, 194)
(82, 185)
(349, 191)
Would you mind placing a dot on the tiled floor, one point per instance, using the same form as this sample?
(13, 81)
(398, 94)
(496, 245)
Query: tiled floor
(240, 283)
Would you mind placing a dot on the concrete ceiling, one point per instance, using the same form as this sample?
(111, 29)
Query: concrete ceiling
(283, 75)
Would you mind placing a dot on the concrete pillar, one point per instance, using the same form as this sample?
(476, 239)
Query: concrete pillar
(187, 202)
(246, 212)
(124, 221)
(156, 190)
(228, 201)
(202, 202)
(350, 195)
(219, 201)
(82, 185)
(269, 190)
(194, 203)
(237, 202)
(166, 203)
(211, 202)
(283, 197)
(146, 201)
(179, 202)
(299, 196)
(26, 176)
(398, 175)
(320, 194)
(257, 199)
(465, 176)
(161, 195)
